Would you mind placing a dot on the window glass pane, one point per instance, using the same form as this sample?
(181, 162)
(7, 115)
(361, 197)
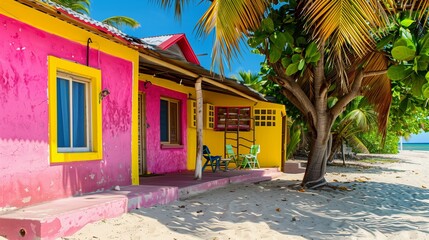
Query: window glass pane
(164, 121)
(79, 115)
(63, 112)
(174, 125)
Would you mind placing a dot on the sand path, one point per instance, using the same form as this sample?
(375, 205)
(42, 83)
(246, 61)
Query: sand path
(378, 201)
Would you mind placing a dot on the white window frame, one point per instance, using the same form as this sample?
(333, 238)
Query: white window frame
(88, 126)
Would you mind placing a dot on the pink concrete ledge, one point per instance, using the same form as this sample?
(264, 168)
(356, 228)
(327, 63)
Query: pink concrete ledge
(145, 196)
(60, 217)
(64, 217)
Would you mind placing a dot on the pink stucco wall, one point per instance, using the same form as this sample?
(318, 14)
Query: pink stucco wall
(26, 174)
(159, 159)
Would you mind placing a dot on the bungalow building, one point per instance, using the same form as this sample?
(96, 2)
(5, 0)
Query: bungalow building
(84, 107)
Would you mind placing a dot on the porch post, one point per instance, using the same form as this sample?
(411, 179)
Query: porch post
(199, 93)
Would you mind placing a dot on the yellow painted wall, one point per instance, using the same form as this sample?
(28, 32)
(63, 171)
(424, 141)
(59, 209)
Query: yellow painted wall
(76, 34)
(270, 138)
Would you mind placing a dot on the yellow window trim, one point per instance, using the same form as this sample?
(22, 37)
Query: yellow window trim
(56, 65)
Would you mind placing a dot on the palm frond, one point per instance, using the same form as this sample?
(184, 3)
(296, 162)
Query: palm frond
(81, 6)
(121, 21)
(294, 140)
(177, 4)
(345, 26)
(377, 89)
(230, 21)
(357, 144)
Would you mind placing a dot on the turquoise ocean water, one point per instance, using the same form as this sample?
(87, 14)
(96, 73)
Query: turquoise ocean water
(416, 146)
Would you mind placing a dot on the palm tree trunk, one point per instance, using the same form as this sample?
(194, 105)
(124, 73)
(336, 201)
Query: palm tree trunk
(320, 125)
(316, 166)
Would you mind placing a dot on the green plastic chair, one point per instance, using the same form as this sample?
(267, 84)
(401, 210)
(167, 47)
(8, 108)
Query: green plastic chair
(230, 154)
(251, 160)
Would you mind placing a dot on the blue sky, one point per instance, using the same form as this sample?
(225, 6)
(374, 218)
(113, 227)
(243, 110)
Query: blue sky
(155, 21)
(420, 138)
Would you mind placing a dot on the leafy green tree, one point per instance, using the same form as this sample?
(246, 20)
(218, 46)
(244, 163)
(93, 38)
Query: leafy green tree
(321, 49)
(375, 144)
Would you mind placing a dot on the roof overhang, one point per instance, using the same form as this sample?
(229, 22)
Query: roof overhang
(187, 74)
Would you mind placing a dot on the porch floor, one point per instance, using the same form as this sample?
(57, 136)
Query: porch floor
(63, 217)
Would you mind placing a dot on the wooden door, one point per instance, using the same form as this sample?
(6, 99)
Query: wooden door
(142, 134)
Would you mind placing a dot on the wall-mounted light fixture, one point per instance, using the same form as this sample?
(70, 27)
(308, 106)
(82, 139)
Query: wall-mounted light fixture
(87, 50)
(104, 93)
(147, 84)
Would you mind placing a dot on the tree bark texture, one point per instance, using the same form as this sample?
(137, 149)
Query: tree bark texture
(316, 164)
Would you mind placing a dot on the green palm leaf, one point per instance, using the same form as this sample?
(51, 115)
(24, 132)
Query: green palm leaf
(121, 21)
(230, 21)
(81, 6)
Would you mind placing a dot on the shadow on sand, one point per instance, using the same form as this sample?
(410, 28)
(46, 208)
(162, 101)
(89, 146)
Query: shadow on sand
(371, 210)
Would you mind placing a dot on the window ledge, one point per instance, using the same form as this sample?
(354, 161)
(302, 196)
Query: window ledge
(171, 146)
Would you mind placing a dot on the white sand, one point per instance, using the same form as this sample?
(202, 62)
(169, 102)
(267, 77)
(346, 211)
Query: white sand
(384, 201)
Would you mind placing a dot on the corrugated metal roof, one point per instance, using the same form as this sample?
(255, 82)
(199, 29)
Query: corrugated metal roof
(157, 40)
(88, 20)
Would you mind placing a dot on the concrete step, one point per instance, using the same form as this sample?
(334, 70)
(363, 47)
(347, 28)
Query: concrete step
(63, 217)
(249, 176)
(294, 167)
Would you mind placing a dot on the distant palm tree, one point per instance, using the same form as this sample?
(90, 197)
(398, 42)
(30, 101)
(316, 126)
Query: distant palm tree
(80, 6)
(252, 80)
(357, 118)
(121, 21)
(83, 6)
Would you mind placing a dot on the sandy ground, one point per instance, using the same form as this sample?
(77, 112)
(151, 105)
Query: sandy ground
(372, 201)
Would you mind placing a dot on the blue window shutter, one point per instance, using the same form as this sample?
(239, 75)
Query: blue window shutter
(164, 121)
(63, 112)
(79, 115)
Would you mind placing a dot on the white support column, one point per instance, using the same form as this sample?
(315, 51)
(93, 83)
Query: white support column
(198, 164)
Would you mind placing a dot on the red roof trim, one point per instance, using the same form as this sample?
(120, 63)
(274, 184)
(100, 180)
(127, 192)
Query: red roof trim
(184, 45)
(171, 41)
